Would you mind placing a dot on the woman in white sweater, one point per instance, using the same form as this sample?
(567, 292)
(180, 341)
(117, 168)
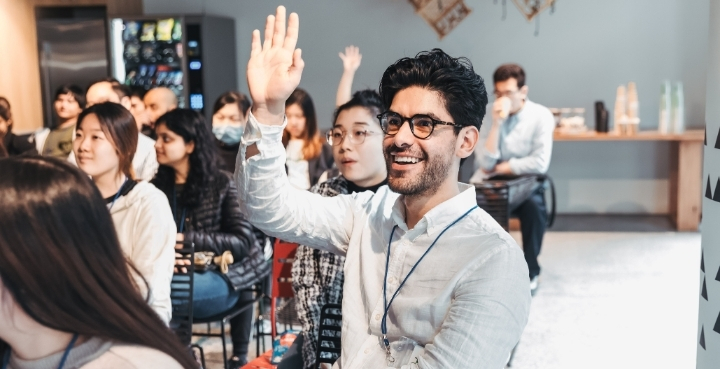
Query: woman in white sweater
(105, 142)
(67, 298)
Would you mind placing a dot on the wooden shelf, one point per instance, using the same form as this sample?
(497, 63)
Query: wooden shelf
(691, 136)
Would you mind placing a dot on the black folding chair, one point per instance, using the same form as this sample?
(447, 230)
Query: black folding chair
(181, 292)
(224, 318)
(329, 332)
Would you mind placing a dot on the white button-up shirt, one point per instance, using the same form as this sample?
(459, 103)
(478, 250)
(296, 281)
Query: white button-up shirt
(466, 303)
(525, 142)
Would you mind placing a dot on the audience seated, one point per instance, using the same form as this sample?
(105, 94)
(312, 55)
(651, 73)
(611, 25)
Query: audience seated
(230, 114)
(57, 142)
(66, 295)
(205, 205)
(104, 145)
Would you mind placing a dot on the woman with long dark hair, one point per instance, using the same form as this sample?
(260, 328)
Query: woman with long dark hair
(105, 143)
(307, 156)
(67, 297)
(204, 201)
(230, 114)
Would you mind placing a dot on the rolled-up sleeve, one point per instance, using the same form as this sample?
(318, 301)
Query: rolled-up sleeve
(272, 205)
(484, 159)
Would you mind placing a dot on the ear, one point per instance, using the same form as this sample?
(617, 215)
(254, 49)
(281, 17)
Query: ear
(524, 90)
(126, 102)
(190, 147)
(467, 139)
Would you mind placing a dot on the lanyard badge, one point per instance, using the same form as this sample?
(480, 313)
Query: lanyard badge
(386, 304)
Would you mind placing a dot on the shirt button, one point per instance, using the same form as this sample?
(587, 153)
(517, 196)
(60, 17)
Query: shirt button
(391, 280)
(367, 351)
(378, 316)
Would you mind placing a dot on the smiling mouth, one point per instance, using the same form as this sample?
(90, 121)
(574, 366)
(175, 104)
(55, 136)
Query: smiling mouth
(406, 160)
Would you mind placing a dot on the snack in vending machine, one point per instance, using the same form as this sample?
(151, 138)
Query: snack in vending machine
(177, 31)
(132, 52)
(131, 30)
(149, 53)
(148, 31)
(165, 29)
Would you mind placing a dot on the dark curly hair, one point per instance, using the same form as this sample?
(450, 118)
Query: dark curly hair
(462, 90)
(204, 160)
(368, 99)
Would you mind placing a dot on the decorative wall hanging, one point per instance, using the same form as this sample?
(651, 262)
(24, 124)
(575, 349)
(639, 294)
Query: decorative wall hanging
(442, 15)
(530, 9)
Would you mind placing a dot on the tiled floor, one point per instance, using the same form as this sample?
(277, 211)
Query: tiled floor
(606, 300)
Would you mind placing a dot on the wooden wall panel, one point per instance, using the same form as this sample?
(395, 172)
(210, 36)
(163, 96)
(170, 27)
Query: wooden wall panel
(19, 68)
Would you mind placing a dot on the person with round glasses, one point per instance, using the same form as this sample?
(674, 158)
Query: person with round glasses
(317, 276)
(430, 280)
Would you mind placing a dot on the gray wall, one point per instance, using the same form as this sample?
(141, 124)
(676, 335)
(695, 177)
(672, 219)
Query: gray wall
(584, 51)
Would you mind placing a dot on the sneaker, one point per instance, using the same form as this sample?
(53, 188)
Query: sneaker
(534, 285)
(237, 362)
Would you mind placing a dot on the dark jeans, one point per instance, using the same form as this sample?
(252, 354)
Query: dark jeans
(212, 295)
(533, 222)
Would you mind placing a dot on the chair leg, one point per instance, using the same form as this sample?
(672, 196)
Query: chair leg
(222, 338)
(202, 354)
(273, 318)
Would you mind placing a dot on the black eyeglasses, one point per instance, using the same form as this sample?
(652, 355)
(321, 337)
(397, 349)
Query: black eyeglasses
(421, 126)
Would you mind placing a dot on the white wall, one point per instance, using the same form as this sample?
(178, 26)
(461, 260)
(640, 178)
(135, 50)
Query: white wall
(584, 51)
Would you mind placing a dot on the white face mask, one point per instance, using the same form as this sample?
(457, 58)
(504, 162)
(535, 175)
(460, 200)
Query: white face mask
(229, 134)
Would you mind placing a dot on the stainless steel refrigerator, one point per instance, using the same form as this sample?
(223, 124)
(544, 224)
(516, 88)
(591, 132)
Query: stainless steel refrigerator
(72, 47)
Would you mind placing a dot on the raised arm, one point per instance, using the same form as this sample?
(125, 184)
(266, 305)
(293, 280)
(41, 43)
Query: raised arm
(266, 197)
(351, 62)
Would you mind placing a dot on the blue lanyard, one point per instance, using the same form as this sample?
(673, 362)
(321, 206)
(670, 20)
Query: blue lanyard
(383, 323)
(181, 222)
(69, 347)
(117, 195)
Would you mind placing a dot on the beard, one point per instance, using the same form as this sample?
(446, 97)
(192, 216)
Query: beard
(427, 182)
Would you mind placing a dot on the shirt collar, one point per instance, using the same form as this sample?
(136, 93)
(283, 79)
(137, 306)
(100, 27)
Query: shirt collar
(440, 216)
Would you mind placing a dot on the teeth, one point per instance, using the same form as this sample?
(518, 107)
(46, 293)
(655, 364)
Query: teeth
(406, 159)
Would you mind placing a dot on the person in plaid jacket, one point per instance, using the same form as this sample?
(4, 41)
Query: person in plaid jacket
(356, 139)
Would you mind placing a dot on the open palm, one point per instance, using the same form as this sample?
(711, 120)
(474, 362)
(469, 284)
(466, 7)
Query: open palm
(351, 59)
(275, 67)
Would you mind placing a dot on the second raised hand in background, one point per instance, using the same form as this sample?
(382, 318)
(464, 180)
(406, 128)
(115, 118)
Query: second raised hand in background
(351, 62)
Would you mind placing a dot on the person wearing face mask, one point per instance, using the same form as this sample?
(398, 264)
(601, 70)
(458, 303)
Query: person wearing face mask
(57, 142)
(228, 123)
(105, 142)
(307, 156)
(518, 141)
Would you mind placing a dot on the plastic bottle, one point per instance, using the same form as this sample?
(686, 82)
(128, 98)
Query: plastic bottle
(664, 123)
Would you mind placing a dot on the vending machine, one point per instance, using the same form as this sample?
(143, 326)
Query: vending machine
(194, 56)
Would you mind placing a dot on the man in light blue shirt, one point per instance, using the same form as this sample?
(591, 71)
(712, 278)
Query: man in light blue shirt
(518, 141)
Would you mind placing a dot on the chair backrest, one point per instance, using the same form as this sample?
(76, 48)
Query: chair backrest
(283, 257)
(329, 332)
(181, 292)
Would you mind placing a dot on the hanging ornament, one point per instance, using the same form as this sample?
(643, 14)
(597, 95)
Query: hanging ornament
(442, 15)
(530, 9)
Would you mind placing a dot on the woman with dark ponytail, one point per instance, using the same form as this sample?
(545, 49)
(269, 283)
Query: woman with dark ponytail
(67, 295)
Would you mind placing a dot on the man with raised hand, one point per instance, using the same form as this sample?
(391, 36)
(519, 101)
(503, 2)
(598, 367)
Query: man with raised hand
(431, 281)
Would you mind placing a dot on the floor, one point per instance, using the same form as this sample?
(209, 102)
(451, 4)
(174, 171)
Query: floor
(606, 299)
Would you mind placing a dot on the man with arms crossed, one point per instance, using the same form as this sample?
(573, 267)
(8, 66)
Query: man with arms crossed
(425, 267)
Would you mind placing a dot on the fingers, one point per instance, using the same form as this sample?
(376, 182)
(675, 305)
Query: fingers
(255, 46)
(341, 55)
(297, 66)
(279, 36)
(269, 24)
(292, 32)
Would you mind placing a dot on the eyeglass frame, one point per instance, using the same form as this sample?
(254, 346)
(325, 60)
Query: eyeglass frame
(328, 137)
(435, 122)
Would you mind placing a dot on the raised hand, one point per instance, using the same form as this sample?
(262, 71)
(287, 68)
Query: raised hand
(351, 59)
(275, 67)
